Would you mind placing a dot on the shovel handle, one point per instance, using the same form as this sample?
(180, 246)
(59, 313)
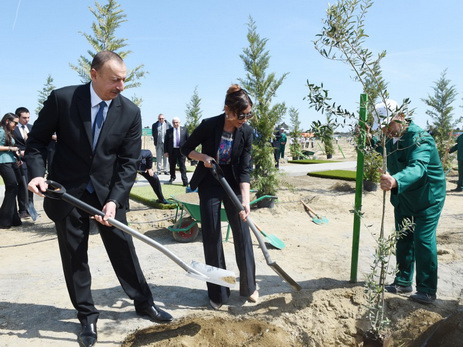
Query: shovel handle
(218, 174)
(57, 191)
(309, 209)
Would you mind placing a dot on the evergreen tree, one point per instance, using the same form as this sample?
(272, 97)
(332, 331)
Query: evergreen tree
(441, 112)
(44, 93)
(108, 18)
(262, 87)
(295, 133)
(193, 112)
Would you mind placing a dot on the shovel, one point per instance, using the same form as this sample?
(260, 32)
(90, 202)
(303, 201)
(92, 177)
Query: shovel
(315, 217)
(197, 270)
(29, 205)
(271, 239)
(218, 175)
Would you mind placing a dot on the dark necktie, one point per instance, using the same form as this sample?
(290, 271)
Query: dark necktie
(24, 132)
(97, 124)
(98, 118)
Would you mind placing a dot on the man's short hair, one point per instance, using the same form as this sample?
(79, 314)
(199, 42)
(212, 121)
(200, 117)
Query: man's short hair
(102, 57)
(20, 110)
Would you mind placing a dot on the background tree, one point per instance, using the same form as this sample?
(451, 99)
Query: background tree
(108, 18)
(262, 87)
(295, 133)
(44, 93)
(441, 112)
(193, 112)
(325, 132)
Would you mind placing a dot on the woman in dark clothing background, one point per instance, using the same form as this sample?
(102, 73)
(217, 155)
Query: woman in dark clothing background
(9, 171)
(227, 139)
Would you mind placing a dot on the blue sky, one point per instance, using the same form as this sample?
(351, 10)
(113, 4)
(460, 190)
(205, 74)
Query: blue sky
(197, 43)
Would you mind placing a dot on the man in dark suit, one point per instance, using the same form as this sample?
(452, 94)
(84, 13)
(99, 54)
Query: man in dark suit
(98, 148)
(175, 138)
(20, 134)
(145, 169)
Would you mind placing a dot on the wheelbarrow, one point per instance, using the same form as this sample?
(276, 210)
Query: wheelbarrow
(187, 217)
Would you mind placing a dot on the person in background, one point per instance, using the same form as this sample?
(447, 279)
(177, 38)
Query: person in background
(283, 141)
(20, 135)
(227, 139)
(159, 129)
(145, 169)
(96, 160)
(276, 143)
(175, 138)
(9, 171)
(416, 181)
(458, 147)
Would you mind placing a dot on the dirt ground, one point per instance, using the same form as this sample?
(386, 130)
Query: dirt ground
(329, 310)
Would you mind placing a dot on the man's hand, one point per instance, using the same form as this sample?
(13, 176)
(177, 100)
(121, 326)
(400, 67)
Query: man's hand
(38, 185)
(387, 182)
(109, 210)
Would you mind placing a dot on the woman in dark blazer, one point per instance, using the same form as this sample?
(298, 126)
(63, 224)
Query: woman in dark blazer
(226, 138)
(9, 172)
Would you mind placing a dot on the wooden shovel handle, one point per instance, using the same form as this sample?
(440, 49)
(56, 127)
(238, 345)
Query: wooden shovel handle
(309, 209)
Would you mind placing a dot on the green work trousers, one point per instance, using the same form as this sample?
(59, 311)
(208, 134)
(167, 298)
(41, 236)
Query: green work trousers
(418, 246)
(460, 174)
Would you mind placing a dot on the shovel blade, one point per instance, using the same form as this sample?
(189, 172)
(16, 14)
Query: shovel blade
(213, 274)
(274, 241)
(285, 276)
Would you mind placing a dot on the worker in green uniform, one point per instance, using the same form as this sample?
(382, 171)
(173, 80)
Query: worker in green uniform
(459, 147)
(416, 181)
(283, 140)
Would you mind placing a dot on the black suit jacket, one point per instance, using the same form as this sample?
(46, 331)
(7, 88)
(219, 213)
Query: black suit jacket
(112, 167)
(169, 139)
(154, 130)
(208, 134)
(146, 160)
(18, 137)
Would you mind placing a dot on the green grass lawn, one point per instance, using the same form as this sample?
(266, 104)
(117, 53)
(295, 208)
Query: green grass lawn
(145, 194)
(346, 175)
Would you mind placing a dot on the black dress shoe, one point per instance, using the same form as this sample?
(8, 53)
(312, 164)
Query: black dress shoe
(171, 180)
(87, 336)
(155, 314)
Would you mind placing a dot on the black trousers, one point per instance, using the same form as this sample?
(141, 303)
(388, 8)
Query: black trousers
(24, 195)
(73, 233)
(175, 157)
(9, 211)
(154, 183)
(211, 194)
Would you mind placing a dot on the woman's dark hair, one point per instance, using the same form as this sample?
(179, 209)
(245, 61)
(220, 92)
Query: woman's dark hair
(8, 133)
(237, 99)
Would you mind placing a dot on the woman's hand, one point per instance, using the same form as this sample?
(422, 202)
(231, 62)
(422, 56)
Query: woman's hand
(207, 160)
(245, 213)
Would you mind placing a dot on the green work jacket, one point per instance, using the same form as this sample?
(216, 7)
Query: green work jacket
(415, 164)
(458, 147)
